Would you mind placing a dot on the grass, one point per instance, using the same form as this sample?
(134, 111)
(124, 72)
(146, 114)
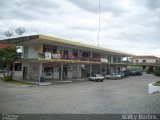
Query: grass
(19, 83)
(157, 83)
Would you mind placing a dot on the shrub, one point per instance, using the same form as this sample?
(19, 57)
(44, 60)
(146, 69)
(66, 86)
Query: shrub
(7, 78)
(157, 71)
(148, 71)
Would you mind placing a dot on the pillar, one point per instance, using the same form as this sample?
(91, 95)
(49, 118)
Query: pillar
(90, 69)
(62, 52)
(101, 55)
(61, 71)
(100, 68)
(79, 54)
(40, 70)
(78, 71)
(91, 54)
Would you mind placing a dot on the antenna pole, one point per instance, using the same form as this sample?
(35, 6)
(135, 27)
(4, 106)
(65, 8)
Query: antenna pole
(99, 21)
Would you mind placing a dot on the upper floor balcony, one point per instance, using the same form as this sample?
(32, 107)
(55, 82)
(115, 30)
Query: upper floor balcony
(71, 57)
(57, 53)
(48, 55)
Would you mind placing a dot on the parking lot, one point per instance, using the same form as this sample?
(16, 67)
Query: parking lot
(128, 95)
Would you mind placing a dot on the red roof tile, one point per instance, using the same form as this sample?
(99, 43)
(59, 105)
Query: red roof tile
(4, 45)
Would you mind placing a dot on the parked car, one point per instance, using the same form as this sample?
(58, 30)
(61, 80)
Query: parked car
(96, 78)
(113, 76)
(138, 73)
(126, 73)
(122, 74)
(132, 72)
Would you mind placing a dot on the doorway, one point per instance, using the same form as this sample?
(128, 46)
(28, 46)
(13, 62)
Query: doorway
(64, 73)
(24, 72)
(64, 76)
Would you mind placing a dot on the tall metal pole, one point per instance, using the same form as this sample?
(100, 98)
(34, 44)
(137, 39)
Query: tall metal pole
(99, 21)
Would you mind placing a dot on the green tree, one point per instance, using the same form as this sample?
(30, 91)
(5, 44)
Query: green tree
(8, 57)
(157, 71)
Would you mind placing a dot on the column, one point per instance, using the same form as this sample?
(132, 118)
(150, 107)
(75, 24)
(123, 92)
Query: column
(101, 55)
(61, 71)
(100, 68)
(78, 71)
(40, 71)
(90, 69)
(62, 52)
(111, 59)
(91, 55)
(79, 54)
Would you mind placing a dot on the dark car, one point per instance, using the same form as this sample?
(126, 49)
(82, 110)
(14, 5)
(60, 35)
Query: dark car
(138, 73)
(133, 73)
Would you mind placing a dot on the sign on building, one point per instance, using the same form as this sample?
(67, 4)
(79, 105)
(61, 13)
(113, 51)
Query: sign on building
(56, 56)
(48, 55)
(104, 60)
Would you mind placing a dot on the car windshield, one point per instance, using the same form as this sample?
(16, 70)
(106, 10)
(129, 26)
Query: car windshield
(98, 75)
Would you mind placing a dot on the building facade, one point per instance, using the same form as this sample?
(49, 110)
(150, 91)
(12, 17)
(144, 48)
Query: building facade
(145, 59)
(60, 59)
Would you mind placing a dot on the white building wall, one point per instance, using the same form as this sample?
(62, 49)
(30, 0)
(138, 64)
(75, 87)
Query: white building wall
(32, 52)
(17, 75)
(147, 60)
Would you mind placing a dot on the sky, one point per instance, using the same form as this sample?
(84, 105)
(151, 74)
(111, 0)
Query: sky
(130, 26)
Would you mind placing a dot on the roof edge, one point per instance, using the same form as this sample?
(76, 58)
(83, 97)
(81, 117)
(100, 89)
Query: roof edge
(41, 36)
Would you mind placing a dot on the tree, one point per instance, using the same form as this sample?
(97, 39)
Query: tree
(157, 71)
(7, 57)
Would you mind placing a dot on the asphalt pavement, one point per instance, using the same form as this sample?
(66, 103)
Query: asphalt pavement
(127, 95)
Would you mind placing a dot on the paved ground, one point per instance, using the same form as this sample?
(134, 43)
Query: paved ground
(111, 96)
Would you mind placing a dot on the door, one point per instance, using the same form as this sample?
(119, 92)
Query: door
(64, 73)
(24, 72)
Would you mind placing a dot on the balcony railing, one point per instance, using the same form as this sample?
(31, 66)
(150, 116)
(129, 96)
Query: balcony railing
(58, 56)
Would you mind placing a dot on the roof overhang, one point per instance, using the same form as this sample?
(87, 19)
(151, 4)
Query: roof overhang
(63, 42)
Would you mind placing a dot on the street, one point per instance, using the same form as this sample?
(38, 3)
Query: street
(127, 95)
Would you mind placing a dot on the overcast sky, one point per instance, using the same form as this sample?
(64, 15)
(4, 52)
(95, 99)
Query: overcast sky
(131, 26)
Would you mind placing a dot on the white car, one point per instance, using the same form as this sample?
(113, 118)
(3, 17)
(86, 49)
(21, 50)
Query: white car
(96, 78)
(113, 76)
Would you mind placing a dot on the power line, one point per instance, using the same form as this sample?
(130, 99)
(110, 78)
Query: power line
(99, 22)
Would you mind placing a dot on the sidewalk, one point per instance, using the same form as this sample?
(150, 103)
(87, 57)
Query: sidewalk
(55, 82)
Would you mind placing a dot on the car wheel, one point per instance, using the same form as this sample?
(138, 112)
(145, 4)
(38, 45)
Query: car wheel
(101, 80)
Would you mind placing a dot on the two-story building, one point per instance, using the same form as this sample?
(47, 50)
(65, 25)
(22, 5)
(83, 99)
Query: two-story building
(145, 59)
(62, 59)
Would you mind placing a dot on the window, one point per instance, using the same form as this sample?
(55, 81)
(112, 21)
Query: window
(136, 60)
(119, 59)
(17, 66)
(144, 61)
(114, 59)
(25, 52)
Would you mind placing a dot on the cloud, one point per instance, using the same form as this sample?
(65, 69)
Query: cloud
(114, 6)
(128, 25)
